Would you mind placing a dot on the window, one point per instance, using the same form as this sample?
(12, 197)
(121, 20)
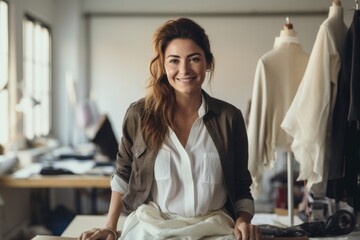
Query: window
(4, 72)
(35, 102)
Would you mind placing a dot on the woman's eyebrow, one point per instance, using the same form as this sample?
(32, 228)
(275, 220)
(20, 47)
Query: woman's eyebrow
(190, 55)
(193, 54)
(172, 55)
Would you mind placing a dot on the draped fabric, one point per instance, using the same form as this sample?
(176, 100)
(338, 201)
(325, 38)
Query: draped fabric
(344, 169)
(148, 222)
(277, 77)
(309, 116)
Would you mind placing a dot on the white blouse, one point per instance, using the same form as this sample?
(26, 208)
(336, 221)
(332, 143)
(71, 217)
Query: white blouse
(187, 178)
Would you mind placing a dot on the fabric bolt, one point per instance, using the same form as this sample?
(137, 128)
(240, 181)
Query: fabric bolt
(309, 116)
(277, 77)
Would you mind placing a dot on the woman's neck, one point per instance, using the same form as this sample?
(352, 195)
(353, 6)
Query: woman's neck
(188, 104)
(336, 11)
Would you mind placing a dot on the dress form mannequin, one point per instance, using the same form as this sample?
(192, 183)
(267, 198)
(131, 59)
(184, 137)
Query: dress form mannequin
(277, 77)
(336, 3)
(286, 34)
(288, 29)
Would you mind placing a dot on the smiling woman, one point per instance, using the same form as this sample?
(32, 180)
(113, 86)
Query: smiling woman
(182, 161)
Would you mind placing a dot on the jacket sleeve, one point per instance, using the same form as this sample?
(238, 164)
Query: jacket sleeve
(244, 200)
(125, 154)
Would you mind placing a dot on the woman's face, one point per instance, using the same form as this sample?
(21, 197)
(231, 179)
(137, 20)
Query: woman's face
(185, 66)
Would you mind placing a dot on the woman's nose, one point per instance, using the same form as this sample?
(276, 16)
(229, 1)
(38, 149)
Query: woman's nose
(184, 67)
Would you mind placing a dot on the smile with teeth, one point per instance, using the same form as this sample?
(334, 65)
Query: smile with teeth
(185, 79)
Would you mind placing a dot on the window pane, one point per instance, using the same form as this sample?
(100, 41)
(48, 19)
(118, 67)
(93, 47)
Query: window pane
(37, 79)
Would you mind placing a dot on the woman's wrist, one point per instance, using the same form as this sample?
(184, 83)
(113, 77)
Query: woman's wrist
(244, 217)
(114, 232)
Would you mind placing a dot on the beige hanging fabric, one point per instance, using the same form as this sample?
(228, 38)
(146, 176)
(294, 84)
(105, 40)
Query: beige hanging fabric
(277, 77)
(310, 114)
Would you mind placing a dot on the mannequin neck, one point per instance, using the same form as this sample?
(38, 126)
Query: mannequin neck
(287, 32)
(336, 3)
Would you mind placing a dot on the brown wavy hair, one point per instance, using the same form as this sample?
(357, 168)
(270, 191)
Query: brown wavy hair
(160, 99)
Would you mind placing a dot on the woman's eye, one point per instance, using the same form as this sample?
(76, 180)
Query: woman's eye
(174, 61)
(195, 59)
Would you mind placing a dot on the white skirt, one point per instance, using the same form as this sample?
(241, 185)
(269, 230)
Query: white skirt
(148, 222)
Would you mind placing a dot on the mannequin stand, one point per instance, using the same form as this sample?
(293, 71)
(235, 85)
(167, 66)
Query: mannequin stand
(290, 189)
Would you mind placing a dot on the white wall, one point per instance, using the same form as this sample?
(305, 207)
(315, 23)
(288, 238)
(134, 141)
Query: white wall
(68, 59)
(120, 55)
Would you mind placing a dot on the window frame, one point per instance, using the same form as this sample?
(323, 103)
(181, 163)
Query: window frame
(37, 118)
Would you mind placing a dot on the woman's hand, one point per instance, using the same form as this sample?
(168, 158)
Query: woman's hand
(100, 234)
(244, 230)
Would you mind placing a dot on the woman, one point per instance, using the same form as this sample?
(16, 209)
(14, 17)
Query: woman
(182, 161)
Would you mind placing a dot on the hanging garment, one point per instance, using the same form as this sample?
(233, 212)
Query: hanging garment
(344, 169)
(308, 117)
(277, 77)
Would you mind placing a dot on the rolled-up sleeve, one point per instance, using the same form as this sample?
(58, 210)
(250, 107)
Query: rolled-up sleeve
(245, 205)
(118, 185)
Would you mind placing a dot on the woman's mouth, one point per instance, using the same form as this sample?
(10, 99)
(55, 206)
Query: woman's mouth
(187, 79)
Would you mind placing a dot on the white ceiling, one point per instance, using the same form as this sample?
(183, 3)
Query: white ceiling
(209, 6)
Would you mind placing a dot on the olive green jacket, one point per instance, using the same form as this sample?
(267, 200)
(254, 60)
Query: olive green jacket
(225, 123)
